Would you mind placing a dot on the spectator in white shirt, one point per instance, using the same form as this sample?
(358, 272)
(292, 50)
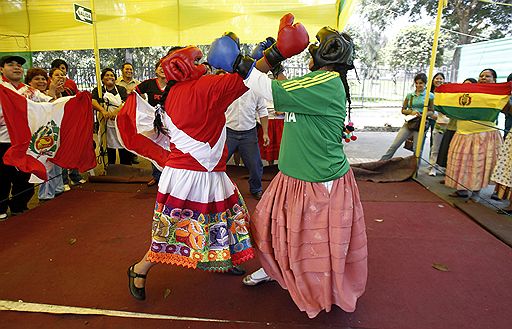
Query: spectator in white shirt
(126, 79)
(242, 135)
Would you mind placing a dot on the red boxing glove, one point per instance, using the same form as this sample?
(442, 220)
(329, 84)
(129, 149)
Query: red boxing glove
(180, 65)
(292, 39)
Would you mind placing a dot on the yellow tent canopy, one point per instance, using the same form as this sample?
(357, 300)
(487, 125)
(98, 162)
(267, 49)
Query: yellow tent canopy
(39, 25)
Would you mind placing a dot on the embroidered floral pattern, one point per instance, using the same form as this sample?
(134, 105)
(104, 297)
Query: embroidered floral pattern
(218, 236)
(212, 242)
(161, 227)
(240, 225)
(191, 233)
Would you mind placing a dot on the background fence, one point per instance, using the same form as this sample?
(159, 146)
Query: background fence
(367, 86)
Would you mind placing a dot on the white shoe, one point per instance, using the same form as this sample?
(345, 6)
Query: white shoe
(432, 172)
(82, 181)
(3, 217)
(257, 277)
(67, 188)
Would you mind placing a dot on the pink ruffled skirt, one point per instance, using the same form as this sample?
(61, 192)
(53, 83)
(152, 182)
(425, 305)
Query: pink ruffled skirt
(471, 160)
(313, 242)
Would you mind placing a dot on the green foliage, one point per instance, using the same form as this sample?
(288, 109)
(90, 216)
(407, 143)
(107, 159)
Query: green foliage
(74, 58)
(412, 48)
(471, 17)
(82, 63)
(369, 43)
(143, 59)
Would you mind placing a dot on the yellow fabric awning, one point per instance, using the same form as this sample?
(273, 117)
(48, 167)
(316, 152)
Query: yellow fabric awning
(38, 25)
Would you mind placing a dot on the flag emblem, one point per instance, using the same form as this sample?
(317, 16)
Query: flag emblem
(465, 100)
(43, 141)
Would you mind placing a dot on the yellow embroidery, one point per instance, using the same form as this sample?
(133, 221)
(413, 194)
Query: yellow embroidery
(306, 79)
(309, 82)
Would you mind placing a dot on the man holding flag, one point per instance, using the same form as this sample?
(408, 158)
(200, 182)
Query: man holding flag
(34, 131)
(12, 180)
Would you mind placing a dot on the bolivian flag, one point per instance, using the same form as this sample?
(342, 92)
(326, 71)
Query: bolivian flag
(472, 101)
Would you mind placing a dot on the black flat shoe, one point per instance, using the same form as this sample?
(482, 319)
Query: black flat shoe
(237, 270)
(137, 293)
(458, 194)
(257, 195)
(495, 197)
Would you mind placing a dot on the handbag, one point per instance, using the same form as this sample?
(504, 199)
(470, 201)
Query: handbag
(414, 124)
(409, 144)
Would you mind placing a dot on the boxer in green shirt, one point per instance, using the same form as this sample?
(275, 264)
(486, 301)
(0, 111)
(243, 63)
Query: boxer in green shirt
(309, 226)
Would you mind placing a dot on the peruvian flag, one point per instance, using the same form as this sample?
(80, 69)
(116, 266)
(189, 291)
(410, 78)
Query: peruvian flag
(60, 132)
(135, 129)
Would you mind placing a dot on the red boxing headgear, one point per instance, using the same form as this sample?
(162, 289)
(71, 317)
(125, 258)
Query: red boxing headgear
(180, 65)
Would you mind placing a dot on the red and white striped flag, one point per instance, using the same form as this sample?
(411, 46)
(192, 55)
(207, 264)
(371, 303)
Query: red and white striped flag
(60, 132)
(136, 131)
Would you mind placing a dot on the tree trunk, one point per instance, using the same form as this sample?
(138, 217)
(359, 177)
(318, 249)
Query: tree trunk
(463, 14)
(455, 66)
(128, 55)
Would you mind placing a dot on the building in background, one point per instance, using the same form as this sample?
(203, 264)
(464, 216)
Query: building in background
(477, 56)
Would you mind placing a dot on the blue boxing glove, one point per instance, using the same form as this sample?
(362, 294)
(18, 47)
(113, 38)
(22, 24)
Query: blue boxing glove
(258, 50)
(225, 54)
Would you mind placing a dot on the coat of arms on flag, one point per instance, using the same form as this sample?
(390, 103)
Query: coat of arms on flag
(60, 132)
(465, 100)
(44, 140)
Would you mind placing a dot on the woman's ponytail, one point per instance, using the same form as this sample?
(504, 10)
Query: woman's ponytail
(160, 110)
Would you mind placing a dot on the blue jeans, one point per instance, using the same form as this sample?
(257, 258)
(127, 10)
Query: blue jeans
(156, 173)
(400, 138)
(247, 144)
(54, 185)
(73, 174)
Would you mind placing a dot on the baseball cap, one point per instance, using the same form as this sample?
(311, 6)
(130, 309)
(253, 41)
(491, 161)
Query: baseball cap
(10, 58)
